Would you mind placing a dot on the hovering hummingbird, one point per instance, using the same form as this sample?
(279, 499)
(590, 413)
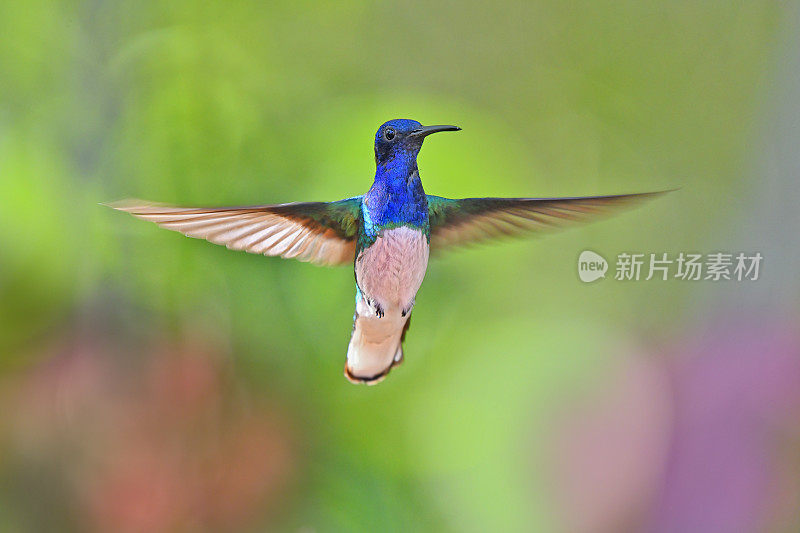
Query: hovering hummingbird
(387, 234)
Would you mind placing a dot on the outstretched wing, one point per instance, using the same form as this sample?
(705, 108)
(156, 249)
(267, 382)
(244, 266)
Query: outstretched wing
(469, 220)
(320, 232)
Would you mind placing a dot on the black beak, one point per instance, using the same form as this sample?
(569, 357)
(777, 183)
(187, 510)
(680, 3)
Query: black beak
(424, 131)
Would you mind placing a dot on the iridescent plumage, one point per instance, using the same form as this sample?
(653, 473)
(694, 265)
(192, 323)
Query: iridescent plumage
(386, 234)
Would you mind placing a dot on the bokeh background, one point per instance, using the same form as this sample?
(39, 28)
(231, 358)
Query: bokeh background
(150, 382)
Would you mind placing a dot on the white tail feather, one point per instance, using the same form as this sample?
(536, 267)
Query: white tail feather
(375, 346)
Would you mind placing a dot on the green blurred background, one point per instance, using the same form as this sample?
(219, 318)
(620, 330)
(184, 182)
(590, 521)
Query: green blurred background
(151, 382)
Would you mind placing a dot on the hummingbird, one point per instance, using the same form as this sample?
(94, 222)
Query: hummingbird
(387, 235)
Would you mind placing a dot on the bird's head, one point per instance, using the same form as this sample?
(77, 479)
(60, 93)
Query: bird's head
(403, 137)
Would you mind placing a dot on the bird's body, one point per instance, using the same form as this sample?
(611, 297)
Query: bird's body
(390, 272)
(390, 261)
(388, 276)
(387, 234)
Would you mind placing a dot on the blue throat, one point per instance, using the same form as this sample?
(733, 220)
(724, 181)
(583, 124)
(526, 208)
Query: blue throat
(396, 197)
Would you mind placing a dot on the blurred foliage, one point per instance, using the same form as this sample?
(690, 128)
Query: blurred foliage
(217, 103)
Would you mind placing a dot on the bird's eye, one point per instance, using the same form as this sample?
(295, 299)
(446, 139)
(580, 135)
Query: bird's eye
(389, 134)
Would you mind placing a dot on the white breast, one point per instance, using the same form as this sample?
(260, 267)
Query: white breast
(391, 270)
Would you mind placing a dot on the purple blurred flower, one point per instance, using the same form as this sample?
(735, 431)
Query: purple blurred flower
(737, 400)
(706, 439)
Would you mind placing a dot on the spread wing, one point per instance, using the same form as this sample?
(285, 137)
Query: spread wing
(469, 220)
(320, 232)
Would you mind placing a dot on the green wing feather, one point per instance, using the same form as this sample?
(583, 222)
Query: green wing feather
(467, 220)
(320, 232)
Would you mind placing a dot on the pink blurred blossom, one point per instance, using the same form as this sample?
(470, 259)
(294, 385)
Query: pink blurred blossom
(154, 441)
